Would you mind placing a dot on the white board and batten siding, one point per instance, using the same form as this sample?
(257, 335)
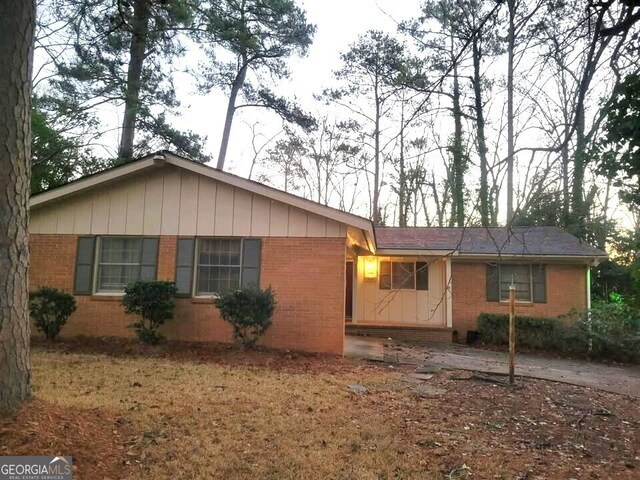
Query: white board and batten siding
(402, 307)
(172, 201)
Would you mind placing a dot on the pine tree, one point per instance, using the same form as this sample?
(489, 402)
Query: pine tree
(122, 56)
(260, 35)
(17, 20)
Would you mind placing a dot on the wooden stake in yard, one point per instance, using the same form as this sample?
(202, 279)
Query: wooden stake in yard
(512, 332)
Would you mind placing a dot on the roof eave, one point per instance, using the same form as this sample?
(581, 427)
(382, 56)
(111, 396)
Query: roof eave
(431, 252)
(165, 158)
(87, 183)
(586, 259)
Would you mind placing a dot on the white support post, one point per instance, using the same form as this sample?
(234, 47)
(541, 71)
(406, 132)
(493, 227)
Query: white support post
(356, 287)
(588, 287)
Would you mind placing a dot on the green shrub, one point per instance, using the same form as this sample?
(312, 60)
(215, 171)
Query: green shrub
(612, 330)
(248, 311)
(533, 332)
(50, 309)
(154, 302)
(609, 331)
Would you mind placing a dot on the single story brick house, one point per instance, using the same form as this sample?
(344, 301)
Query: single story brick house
(166, 217)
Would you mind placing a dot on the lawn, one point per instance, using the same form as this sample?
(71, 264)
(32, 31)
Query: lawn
(215, 412)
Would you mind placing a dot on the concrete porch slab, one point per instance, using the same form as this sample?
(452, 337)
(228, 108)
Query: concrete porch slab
(364, 348)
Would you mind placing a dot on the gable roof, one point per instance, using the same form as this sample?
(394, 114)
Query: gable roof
(164, 157)
(462, 241)
(520, 241)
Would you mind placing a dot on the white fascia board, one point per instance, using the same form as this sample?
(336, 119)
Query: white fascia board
(92, 181)
(390, 252)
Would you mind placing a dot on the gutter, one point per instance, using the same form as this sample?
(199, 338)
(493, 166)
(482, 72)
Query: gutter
(422, 252)
(593, 260)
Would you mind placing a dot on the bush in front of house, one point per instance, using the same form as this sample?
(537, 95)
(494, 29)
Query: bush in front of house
(248, 311)
(612, 330)
(50, 309)
(608, 331)
(533, 332)
(154, 302)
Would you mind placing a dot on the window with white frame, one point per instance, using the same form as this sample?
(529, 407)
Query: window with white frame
(219, 265)
(520, 276)
(118, 263)
(401, 275)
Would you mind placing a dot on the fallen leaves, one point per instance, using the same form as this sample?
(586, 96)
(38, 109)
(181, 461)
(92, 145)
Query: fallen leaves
(263, 416)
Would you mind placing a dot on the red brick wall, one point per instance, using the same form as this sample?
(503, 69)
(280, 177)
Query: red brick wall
(566, 289)
(306, 274)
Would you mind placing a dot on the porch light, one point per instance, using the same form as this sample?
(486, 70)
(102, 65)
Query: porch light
(370, 267)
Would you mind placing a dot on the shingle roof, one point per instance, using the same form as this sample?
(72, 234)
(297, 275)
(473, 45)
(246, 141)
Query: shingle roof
(486, 240)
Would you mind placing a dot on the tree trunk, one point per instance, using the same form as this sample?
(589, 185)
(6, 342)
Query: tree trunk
(376, 160)
(578, 206)
(566, 200)
(458, 154)
(139, 37)
(238, 82)
(579, 160)
(510, 135)
(17, 19)
(482, 143)
(402, 188)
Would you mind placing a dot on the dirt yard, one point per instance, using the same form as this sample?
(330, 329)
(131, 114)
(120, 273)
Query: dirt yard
(186, 411)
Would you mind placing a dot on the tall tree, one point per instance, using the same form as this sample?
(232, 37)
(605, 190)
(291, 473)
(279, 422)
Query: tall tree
(521, 30)
(619, 150)
(56, 157)
(17, 24)
(260, 35)
(511, 47)
(122, 56)
(476, 25)
(371, 71)
(285, 160)
(439, 33)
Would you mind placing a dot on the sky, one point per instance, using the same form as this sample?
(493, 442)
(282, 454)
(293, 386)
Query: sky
(339, 23)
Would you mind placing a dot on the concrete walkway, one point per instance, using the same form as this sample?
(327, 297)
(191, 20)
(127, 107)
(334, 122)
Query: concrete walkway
(616, 379)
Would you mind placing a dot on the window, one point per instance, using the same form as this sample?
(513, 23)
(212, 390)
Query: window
(520, 276)
(119, 263)
(529, 279)
(422, 276)
(404, 275)
(218, 265)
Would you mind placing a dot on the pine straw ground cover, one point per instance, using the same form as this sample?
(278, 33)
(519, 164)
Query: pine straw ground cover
(216, 412)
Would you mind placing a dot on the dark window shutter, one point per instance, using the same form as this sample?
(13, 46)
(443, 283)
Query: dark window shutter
(493, 283)
(184, 265)
(84, 266)
(251, 262)
(422, 276)
(149, 259)
(538, 275)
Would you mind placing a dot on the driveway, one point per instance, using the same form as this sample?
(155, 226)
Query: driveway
(616, 379)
